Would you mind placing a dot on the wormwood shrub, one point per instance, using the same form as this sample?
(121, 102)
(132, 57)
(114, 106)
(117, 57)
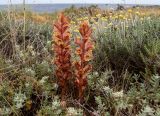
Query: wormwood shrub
(11, 34)
(138, 45)
(140, 98)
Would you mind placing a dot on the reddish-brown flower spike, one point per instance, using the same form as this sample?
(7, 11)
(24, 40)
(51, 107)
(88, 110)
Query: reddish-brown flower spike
(84, 51)
(61, 47)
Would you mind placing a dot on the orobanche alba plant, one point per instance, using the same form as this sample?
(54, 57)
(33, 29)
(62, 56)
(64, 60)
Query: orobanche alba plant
(84, 50)
(62, 58)
(62, 50)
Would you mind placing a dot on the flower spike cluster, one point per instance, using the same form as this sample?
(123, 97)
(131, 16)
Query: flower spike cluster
(62, 60)
(84, 51)
(61, 46)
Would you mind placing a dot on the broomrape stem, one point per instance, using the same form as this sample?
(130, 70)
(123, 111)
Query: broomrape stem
(62, 59)
(61, 46)
(84, 51)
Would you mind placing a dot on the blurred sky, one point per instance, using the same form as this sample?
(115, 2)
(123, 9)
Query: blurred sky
(153, 2)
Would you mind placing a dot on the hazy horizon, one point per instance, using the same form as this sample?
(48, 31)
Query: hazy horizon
(138, 2)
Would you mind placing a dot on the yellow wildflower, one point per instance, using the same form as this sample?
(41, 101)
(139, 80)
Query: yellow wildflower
(130, 10)
(116, 17)
(98, 15)
(110, 24)
(72, 22)
(137, 13)
(96, 23)
(121, 16)
(76, 30)
(79, 19)
(141, 19)
(104, 19)
(85, 18)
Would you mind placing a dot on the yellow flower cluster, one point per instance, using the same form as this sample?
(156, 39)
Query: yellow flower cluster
(112, 19)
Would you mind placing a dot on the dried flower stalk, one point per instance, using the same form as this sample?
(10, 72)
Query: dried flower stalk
(62, 51)
(84, 51)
